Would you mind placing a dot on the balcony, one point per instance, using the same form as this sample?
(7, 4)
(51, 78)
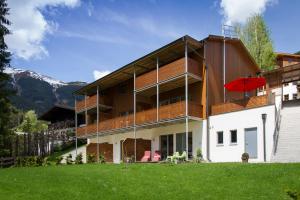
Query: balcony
(91, 102)
(166, 112)
(252, 102)
(167, 72)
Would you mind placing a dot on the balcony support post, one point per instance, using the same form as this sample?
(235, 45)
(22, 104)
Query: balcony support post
(157, 90)
(86, 118)
(186, 100)
(98, 123)
(75, 128)
(134, 113)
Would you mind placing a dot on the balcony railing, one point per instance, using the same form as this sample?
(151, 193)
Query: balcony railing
(91, 102)
(168, 71)
(252, 102)
(166, 112)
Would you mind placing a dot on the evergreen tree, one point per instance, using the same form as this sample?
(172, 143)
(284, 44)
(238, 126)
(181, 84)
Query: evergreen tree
(256, 36)
(297, 53)
(5, 106)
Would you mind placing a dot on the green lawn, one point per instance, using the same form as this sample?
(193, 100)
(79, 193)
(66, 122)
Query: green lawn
(150, 181)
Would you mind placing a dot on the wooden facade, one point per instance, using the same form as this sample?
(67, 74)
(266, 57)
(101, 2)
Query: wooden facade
(166, 85)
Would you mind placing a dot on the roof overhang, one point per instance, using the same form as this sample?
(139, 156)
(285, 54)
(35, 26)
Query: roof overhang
(165, 55)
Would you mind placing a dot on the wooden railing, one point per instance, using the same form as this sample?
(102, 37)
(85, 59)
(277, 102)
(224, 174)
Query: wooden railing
(170, 111)
(168, 71)
(91, 102)
(252, 102)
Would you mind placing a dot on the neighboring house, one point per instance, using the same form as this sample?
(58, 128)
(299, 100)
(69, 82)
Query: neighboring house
(61, 125)
(173, 100)
(291, 90)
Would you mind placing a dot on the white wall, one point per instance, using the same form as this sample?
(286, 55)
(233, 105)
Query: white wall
(240, 121)
(290, 89)
(196, 127)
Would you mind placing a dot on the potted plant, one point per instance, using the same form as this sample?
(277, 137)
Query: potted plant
(245, 157)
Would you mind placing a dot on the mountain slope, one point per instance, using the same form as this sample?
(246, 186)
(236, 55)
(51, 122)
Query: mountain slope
(39, 92)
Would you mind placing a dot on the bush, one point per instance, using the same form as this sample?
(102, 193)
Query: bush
(39, 161)
(91, 158)
(78, 159)
(101, 159)
(245, 157)
(69, 160)
(198, 157)
(46, 162)
(293, 194)
(58, 160)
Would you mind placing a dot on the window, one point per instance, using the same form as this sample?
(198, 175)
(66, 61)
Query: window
(233, 136)
(295, 96)
(220, 137)
(181, 143)
(286, 84)
(286, 97)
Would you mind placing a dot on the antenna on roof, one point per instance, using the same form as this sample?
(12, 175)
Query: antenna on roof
(229, 31)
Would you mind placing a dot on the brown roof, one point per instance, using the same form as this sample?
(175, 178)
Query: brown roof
(166, 54)
(279, 54)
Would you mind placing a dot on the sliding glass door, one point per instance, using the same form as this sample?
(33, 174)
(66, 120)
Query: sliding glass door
(166, 146)
(181, 143)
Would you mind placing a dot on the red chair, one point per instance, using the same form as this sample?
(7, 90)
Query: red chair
(146, 157)
(156, 156)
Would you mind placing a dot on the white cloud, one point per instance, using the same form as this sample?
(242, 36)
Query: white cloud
(29, 27)
(100, 74)
(237, 11)
(144, 23)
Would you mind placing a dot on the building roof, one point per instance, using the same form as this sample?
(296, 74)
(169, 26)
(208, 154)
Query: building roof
(58, 113)
(165, 54)
(280, 54)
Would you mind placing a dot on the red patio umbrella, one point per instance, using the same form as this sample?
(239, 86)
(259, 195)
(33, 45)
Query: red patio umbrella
(245, 84)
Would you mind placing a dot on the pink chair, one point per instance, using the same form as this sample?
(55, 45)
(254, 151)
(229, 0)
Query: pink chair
(156, 156)
(146, 157)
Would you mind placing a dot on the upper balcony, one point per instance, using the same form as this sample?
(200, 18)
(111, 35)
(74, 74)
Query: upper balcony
(91, 102)
(166, 112)
(242, 104)
(167, 72)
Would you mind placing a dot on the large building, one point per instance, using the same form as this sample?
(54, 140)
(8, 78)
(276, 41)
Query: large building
(173, 100)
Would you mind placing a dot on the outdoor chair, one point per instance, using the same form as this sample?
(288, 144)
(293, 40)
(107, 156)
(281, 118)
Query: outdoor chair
(156, 156)
(146, 157)
(182, 157)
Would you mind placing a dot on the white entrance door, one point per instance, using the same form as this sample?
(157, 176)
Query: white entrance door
(251, 142)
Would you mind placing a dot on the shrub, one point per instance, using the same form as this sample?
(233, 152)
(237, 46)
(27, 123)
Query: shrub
(69, 160)
(46, 162)
(293, 194)
(39, 161)
(198, 157)
(78, 159)
(101, 159)
(91, 158)
(58, 160)
(245, 157)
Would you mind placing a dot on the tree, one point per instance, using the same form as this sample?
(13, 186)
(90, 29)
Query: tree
(256, 36)
(297, 53)
(31, 127)
(5, 106)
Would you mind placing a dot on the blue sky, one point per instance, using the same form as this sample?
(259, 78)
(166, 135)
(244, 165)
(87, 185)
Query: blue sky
(70, 39)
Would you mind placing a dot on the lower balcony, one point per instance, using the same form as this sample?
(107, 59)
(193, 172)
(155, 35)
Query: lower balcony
(166, 112)
(238, 105)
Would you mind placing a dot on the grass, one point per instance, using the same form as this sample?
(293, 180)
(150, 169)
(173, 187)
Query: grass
(151, 181)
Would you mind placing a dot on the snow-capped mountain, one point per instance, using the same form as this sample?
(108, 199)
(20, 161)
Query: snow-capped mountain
(39, 92)
(15, 72)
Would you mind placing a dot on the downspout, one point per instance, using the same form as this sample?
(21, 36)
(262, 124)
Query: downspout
(264, 118)
(207, 106)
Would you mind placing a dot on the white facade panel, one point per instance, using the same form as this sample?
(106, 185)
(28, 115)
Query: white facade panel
(241, 120)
